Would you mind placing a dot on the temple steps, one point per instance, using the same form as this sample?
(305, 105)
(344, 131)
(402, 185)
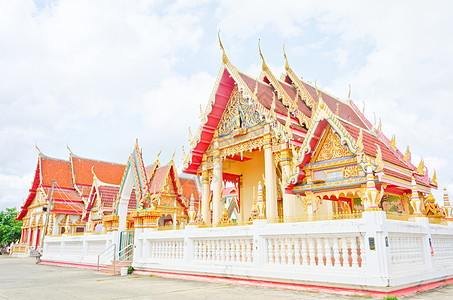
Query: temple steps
(114, 270)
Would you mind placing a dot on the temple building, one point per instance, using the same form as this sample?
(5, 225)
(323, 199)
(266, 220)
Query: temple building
(308, 149)
(282, 182)
(73, 182)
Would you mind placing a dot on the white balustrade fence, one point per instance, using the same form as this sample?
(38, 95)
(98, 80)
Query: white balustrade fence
(372, 252)
(78, 249)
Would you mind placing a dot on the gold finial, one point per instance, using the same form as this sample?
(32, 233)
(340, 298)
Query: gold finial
(421, 168)
(434, 180)
(158, 155)
(374, 114)
(201, 112)
(349, 94)
(190, 136)
(363, 108)
(286, 59)
(380, 125)
(39, 151)
(67, 146)
(224, 57)
(360, 141)
(393, 142)
(173, 156)
(264, 66)
(406, 156)
(379, 163)
(255, 92)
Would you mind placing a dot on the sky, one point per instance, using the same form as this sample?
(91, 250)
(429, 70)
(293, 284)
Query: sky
(97, 75)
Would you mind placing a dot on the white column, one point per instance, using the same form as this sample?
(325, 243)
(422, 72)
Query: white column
(288, 209)
(206, 193)
(217, 188)
(271, 185)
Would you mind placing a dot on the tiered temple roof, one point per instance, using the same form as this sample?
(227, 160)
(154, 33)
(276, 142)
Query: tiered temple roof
(72, 186)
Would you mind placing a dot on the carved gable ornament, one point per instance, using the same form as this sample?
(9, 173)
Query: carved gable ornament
(238, 115)
(331, 148)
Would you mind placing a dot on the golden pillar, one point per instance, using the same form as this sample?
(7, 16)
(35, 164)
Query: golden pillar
(217, 179)
(206, 192)
(271, 184)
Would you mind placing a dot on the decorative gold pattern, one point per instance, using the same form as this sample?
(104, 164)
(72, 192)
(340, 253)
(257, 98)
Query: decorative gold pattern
(246, 146)
(238, 114)
(332, 148)
(351, 171)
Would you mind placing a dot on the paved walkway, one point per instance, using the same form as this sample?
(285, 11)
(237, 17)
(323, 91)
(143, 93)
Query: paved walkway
(21, 278)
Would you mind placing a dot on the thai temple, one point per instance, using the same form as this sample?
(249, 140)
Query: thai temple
(282, 182)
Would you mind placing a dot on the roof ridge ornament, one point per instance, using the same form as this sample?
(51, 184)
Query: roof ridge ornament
(434, 180)
(286, 59)
(264, 66)
(39, 151)
(67, 146)
(224, 57)
(421, 168)
(349, 94)
(158, 155)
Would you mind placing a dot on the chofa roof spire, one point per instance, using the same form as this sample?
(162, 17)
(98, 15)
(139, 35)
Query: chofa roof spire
(224, 57)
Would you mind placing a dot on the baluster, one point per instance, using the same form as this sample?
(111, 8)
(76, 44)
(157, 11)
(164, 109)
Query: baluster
(248, 248)
(328, 252)
(270, 250)
(336, 252)
(304, 250)
(217, 250)
(292, 257)
(318, 252)
(238, 250)
(362, 252)
(344, 251)
(203, 253)
(227, 251)
(278, 251)
(222, 250)
(297, 260)
(311, 251)
(243, 260)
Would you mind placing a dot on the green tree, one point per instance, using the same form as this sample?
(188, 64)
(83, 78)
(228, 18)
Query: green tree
(10, 228)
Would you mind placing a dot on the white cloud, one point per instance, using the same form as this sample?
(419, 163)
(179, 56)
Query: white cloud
(98, 74)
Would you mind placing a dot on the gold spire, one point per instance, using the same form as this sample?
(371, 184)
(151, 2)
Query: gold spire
(359, 142)
(224, 57)
(190, 136)
(421, 168)
(264, 66)
(158, 155)
(406, 156)
(349, 94)
(286, 59)
(173, 156)
(434, 180)
(393, 142)
(67, 146)
(39, 151)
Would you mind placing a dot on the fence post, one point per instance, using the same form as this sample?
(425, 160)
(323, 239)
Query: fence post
(376, 250)
(427, 247)
(259, 244)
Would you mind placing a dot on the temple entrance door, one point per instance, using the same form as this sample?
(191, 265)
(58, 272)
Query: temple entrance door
(126, 247)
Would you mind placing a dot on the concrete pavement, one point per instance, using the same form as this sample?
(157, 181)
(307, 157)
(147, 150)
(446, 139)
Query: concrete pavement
(21, 278)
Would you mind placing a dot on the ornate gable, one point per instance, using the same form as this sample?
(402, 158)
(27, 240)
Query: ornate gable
(238, 115)
(330, 147)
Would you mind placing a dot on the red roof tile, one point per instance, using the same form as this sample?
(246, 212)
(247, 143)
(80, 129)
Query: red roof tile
(369, 144)
(111, 173)
(57, 169)
(108, 196)
(189, 188)
(158, 179)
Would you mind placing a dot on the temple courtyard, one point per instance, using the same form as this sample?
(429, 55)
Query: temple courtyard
(21, 278)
